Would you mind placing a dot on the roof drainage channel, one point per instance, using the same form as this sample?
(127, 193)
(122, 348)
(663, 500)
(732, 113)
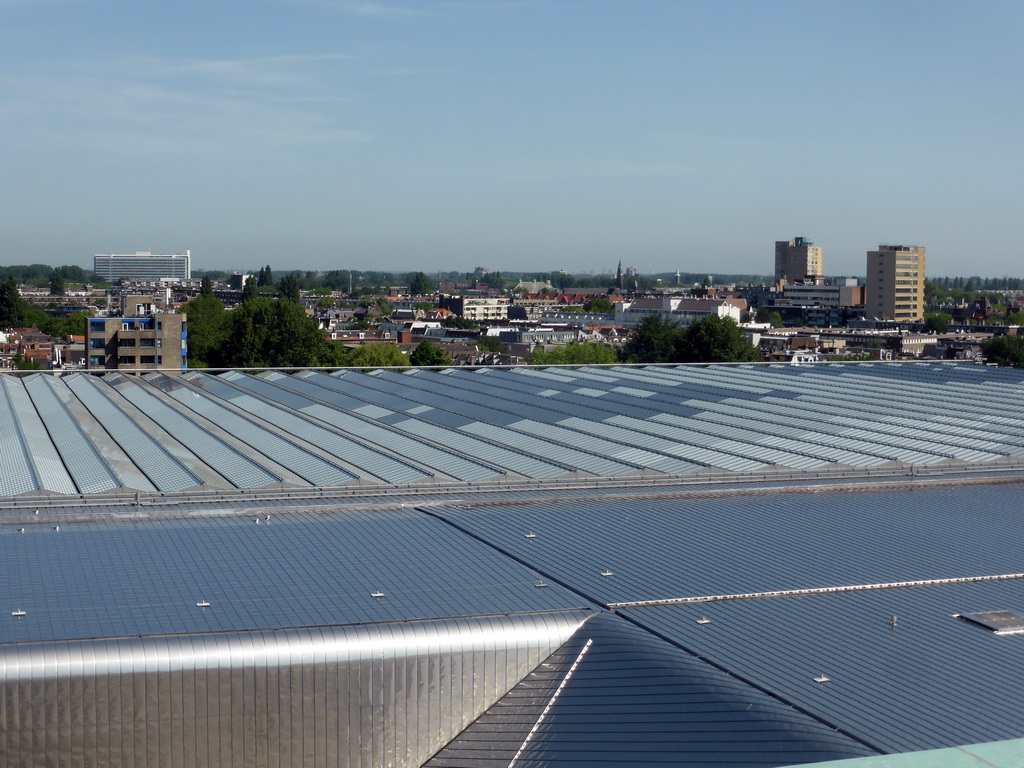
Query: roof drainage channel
(814, 591)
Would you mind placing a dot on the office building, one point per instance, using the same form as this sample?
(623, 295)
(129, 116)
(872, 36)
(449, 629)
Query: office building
(141, 339)
(797, 260)
(143, 266)
(894, 289)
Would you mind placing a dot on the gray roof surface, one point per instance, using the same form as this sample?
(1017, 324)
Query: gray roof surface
(79, 433)
(713, 546)
(620, 696)
(930, 681)
(108, 579)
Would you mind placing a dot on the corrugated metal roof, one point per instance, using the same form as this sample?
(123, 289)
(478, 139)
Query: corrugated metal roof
(144, 578)
(615, 695)
(741, 544)
(932, 681)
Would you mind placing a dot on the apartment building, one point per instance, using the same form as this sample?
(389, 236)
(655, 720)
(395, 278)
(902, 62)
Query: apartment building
(140, 339)
(797, 260)
(894, 289)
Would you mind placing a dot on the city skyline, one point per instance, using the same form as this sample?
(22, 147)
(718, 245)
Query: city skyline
(564, 135)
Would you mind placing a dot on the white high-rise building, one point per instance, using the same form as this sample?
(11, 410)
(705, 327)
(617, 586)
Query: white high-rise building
(143, 265)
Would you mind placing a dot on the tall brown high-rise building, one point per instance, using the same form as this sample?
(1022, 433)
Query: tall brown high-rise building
(797, 260)
(894, 289)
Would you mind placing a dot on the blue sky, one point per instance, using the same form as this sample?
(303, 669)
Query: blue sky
(512, 134)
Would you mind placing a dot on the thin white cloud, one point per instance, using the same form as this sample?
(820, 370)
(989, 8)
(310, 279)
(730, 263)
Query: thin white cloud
(154, 104)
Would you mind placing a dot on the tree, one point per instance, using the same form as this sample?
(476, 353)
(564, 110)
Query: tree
(12, 306)
(375, 355)
(57, 285)
(209, 326)
(276, 334)
(288, 289)
(249, 290)
(576, 353)
(652, 341)
(714, 339)
(383, 306)
(602, 306)
(457, 321)
(427, 354)
(1005, 350)
(768, 315)
(206, 286)
(265, 277)
(937, 322)
(20, 363)
(419, 283)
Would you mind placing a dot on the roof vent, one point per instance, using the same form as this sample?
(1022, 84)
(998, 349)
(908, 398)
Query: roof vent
(821, 680)
(999, 622)
(377, 595)
(18, 612)
(703, 620)
(21, 530)
(56, 527)
(202, 604)
(540, 585)
(531, 535)
(606, 574)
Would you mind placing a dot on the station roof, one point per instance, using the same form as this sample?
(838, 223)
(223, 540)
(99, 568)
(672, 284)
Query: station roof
(85, 434)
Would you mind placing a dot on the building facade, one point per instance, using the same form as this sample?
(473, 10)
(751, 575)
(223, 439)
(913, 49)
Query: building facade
(143, 266)
(797, 260)
(894, 289)
(141, 339)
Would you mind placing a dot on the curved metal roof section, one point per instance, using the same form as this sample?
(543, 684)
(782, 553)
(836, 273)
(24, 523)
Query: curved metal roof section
(386, 694)
(616, 695)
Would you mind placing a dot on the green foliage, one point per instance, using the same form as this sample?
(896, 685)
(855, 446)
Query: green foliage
(576, 353)
(209, 326)
(768, 315)
(427, 354)
(1005, 350)
(423, 306)
(711, 339)
(714, 339)
(383, 306)
(21, 364)
(250, 289)
(58, 287)
(288, 289)
(937, 322)
(265, 277)
(206, 286)
(490, 344)
(327, 302)
(602, 306)
(652, 341)
(12, 306)
(275, 334)
(456, 321)
(375, 355)
(1015, 318)
(419, 283)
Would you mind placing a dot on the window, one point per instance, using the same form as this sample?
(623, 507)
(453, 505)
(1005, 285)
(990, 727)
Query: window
(125, 342)
(147, 360)
(159, 359)
(125, 360)
(159, 343)
(159, 325)
(96, 361)
(147, 342)
(95, 343)
(126, 325)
